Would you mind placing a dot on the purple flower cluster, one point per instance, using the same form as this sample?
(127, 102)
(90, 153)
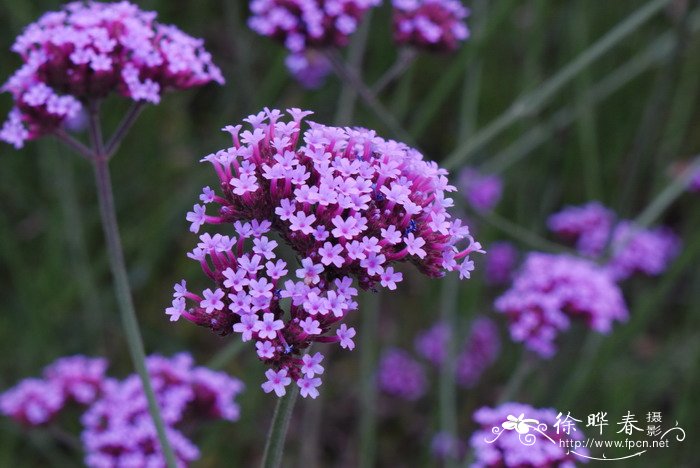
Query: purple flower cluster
(638, 250)
(523, 443)
(633, 249)
(430, 24)
(695, 182)
(401, 376)
(479, 351)
(34, 402)
(500, 263)
(482, 191)
(118, 429)
(587, 226)
(446, 446)
(89, 49)
(551, 290)
(350, 204)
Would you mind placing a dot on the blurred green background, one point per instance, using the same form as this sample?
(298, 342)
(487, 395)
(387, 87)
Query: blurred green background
(617, 132)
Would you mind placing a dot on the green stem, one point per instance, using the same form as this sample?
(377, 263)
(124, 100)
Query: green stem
(274, 446)
(348, 93)
(229, 352)
(519, 233)
(350, 76)
(448, 395)
(121, 280)
(526, 105)
(525, 366)
(368, 387)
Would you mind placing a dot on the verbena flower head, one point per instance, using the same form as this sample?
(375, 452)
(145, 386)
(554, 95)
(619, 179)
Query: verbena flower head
(446, 446)
(500, 263)
(482, 191)
(351, 205)
(551, 290)
(33, 402)
(638, 250)
(587, 226)
(80, 378)
(303, 24)
(480, 351)
(401, 376)
(89, 49)
(513, 447)
(119, 431)
(632, 249)
(430, 24)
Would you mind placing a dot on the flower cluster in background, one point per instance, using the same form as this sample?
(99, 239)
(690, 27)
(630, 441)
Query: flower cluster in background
(500, 263)
(400, 375)
(549, 291)
(307, 28)
(86, 51)
(509, 450)
(482, 191)
(632, 249)
(430, 24)
(117, 428)
(351, 206)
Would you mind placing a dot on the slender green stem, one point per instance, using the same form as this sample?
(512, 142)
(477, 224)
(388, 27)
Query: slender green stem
(121, 281)
(405, 59)
(73, 144)
(225, 355)
(519, 233)
(533, 101)
(124, 126)
(368, 387)
(447, 390)
(525, 366)
(348, 93)
(350, 76)
(274, 446)
(561, 119)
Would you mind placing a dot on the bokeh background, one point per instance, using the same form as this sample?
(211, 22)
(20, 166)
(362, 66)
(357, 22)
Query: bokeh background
(618, 132)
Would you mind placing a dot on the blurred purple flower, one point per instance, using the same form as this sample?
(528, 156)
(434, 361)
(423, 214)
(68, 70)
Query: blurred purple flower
(305, 24)
(80, 378)
(480, 351)
(482, 191)
(551, 290)
(639, 250)
(437, 25)
(400, 375)
(513, 447)
(310, 68)
(500, 263)
(431, 343)
(588, 226)
(89, 49)
(350, 204)
(446, 446)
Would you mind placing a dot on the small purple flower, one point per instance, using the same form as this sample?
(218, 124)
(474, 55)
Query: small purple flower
(276, 381)
(345, 335)
(312, 365)
(500, 263)
(212, 300)
(308, 386)
(268, 326)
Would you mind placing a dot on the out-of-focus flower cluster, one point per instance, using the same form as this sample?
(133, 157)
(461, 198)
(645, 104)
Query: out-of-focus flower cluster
(402, 376)
(430, 24)
(500, 263)
(117, 427)
(478, 352)
(309, 27)
(551, 290)
(482, 191)
(89, 49)
(632, 249)
(518, 435)
(350, 204)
